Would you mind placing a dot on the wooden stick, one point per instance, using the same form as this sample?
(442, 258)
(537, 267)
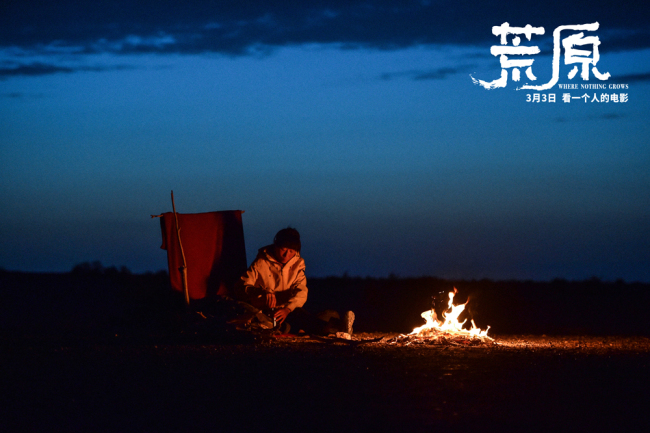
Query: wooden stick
(182, 268)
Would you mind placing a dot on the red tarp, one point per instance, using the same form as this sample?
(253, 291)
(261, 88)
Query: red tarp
(214, 248)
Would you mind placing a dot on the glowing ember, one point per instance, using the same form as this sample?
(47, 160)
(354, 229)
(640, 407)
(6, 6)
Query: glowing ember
(435, 328)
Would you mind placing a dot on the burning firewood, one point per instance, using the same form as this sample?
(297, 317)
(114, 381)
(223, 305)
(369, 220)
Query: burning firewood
(448, 331)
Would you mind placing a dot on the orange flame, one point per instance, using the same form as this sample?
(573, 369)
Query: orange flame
(434, 327)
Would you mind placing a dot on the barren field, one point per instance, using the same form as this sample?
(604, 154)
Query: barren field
(105, 353)
(518, 383)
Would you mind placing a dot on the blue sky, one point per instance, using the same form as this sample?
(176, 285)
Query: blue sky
(356, 122)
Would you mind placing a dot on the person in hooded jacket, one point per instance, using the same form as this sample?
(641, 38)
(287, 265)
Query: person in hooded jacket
(276, 282)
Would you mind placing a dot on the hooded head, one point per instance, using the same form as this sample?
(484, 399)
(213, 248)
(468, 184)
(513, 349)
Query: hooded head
(287, 238)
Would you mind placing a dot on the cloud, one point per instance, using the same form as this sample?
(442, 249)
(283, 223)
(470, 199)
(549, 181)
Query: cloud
(38, 29)
(33, 69)
(38, 68)
(610, 116)
(604, 116)
(238, 28)
(442, 73)
(433, 74)
(634, 78)
(22, 95)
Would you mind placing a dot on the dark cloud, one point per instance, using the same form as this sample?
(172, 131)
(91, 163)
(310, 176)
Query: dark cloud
(442, 73)
(605, 116)
(633, 78)
(236, 27)
(37, 68)
(22, 95)
(433, 74)
(610, 116)
(33, 69)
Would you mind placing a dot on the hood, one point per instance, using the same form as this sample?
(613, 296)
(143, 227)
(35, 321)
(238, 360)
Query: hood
(265, 253)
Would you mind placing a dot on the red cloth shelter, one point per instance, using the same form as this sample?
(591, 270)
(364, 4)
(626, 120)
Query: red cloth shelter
(214, 248)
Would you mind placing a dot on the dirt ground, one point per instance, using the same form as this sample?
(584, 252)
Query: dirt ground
(110, 352)
(516, 383)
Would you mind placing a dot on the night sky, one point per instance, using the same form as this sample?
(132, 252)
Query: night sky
(357, 122)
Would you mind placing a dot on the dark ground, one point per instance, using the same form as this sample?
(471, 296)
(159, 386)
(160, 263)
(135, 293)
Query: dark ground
(108, 352)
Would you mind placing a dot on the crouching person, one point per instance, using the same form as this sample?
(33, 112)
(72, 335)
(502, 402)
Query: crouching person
(276, 284)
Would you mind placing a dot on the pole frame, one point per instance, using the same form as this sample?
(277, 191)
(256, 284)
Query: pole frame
(183, 267)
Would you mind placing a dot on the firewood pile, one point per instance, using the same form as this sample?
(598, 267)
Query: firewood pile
(441, 339)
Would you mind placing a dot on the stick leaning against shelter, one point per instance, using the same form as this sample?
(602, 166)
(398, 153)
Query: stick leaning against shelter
(183, 267)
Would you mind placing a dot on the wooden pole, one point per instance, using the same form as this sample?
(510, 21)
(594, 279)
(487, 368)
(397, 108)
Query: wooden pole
(182, 268)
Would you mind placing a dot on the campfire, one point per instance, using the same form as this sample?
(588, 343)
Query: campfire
(446, 331)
